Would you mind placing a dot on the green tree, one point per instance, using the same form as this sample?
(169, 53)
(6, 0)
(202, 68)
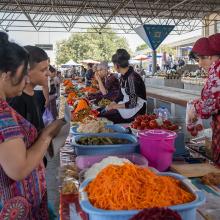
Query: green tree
(80, 46)
(165, 48)
(142, 47)
(162, 48)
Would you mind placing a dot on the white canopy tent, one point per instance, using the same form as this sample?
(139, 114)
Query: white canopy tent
(70, 64)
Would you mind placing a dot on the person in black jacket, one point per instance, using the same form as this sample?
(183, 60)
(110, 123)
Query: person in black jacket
(132, 98)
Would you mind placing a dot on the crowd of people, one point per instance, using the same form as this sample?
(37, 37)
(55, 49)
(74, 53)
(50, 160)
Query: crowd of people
(30, 87)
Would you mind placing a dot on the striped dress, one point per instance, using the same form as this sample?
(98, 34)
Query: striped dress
(30, 192)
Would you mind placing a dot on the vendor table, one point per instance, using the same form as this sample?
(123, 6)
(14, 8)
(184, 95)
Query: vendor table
(69, 205)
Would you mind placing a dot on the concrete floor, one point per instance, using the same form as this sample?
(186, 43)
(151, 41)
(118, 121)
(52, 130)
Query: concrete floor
(52, 182)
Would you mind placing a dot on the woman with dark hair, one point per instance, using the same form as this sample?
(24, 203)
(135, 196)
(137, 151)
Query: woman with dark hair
(132, 97)
(108, 84)
(206, 51)
(23, 192)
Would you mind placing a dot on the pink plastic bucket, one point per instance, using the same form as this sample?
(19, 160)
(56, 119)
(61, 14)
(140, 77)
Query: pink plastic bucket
(158, 147)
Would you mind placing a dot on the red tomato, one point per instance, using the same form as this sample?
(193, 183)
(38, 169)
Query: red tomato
(153, 124)
(218, 118)
(145, 117)
(152, 117)
(173, 127)
(190, 128)
(142, 127)
(167, 122)
(138, 120)
(135, 125)
(139, 127)
(138, 117)
(199, 127)
(143, 124)
(194, 133)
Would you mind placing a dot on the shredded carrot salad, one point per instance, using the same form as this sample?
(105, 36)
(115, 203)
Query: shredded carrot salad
(131, 187)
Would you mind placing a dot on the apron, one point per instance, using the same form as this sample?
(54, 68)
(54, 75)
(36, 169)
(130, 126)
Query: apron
(129, 113)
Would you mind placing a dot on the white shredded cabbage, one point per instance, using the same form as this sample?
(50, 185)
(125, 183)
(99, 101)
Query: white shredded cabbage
(93, 171)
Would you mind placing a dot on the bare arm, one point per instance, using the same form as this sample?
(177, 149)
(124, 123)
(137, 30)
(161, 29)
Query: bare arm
(100, 83)
(24, 161)
(114, 105)
(17, 161)
(102, 88)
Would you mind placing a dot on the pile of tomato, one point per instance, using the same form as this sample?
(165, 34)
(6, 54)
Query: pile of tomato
(195, 129)
(143, 122)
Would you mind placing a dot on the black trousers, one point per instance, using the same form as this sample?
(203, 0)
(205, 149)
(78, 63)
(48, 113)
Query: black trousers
(115, 117)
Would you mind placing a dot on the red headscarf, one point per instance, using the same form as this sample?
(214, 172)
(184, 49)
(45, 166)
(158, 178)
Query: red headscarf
(207, 46)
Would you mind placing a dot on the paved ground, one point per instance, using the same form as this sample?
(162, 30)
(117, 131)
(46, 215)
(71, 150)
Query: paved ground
(52, 182)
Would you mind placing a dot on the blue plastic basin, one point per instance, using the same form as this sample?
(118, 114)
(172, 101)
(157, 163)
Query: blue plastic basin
(132, 147)
(115, 128)
(187, 211)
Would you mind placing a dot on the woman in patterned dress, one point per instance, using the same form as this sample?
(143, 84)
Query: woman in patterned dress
(207, 52)
(22, 173)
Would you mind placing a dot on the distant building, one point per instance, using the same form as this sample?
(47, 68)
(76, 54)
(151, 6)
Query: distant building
(211, 26)
(183, 47)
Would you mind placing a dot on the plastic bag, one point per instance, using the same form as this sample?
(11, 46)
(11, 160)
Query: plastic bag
(194, 125)
(47, 117)
(69, 186)
(162, 113)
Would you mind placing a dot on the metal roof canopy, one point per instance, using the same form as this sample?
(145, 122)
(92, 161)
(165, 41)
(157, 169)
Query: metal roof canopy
(122, 16)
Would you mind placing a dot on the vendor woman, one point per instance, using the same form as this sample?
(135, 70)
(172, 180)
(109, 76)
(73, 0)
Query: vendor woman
(108, 84)
(131, 100)
(206, 52)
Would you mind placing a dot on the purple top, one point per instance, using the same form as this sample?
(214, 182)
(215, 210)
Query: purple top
(111, 84)
(33, 187)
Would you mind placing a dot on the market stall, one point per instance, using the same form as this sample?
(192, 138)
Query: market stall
(98, 156)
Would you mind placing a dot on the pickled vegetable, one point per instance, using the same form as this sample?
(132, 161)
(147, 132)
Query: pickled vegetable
(93, 140)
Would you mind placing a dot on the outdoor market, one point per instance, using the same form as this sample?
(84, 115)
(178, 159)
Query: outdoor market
(116, 118)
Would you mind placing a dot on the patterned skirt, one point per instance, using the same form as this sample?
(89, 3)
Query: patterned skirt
(216, 138)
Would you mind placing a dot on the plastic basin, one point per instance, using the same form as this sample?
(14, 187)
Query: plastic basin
(85, 162)
(187, 211)
(132, 147)
(158, 147)
(115, 128)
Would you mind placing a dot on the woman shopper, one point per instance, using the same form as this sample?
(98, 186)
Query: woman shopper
(107, 82)
(132, 97)
(206, 51)
(23, 192)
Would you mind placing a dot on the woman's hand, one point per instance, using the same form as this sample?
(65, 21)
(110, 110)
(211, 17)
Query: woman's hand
(53, 129)
(192, 116)
(97, 77)
(111, 106)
